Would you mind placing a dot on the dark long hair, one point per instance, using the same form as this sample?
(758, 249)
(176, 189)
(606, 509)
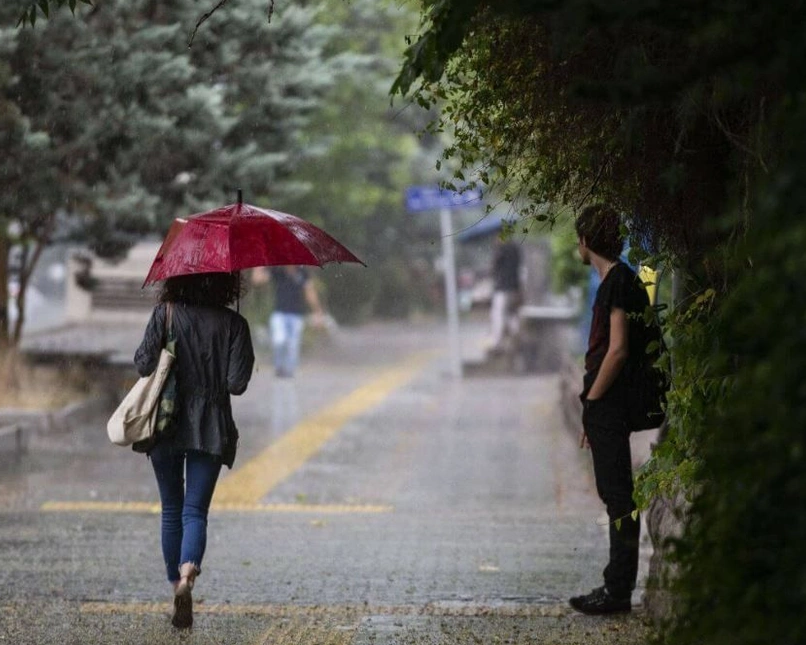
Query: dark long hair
(207, 289)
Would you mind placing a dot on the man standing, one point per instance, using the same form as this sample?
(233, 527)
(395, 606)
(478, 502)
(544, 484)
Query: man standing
(616, 338)
(506, 292)
(294, 295)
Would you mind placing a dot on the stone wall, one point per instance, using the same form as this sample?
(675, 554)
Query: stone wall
(665, 520)
(62, 420)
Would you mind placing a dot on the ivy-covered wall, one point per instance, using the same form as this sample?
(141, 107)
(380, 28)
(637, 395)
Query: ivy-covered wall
(743, 573)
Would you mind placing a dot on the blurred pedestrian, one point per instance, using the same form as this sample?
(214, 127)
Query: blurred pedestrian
(214, 360)
(507, 294)
(294, 296)
(616, 338)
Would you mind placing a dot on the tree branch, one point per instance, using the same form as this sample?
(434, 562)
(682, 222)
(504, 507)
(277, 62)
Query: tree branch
(205, 17)
(595, 183)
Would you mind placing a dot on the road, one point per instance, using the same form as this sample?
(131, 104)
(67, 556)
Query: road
(374, 500)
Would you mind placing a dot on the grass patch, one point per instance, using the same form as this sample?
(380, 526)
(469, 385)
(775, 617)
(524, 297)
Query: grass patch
(41, 387)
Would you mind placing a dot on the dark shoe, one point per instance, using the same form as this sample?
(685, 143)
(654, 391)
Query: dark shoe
(601, 601)
(183, 598)
(183, 609)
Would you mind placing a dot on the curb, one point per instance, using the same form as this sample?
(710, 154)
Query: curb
(16, 425)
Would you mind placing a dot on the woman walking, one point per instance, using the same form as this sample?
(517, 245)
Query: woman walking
(214, 359)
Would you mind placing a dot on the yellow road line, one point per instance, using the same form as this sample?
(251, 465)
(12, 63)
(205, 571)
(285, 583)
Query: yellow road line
(277, 611)
(101, 507)
(150, 507)
(258, 476)
(448, 609)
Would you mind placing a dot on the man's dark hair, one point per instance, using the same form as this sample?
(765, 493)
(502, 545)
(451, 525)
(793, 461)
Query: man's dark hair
(209, 289)
(600, 225)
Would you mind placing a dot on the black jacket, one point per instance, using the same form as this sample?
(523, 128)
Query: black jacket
(506, 267)
(214, 360)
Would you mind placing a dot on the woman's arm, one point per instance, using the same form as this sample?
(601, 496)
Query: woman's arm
(241, 358)
(148, 354)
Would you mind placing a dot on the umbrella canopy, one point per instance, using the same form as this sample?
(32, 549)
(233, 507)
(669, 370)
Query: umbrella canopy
(240, 236)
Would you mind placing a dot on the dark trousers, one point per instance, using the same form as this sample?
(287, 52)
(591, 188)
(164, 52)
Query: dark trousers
(612, 468)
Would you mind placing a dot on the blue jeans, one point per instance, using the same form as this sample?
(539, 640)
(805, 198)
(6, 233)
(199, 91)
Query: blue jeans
(286, 338)
(184, 508)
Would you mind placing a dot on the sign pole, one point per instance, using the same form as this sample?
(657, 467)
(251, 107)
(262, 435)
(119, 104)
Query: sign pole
(451, 299)
(430, 198)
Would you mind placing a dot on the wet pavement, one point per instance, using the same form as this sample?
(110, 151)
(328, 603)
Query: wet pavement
(375, 500)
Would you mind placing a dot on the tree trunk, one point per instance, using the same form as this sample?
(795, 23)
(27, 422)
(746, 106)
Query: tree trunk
(27, 266)
(4, 322)
(8, 359)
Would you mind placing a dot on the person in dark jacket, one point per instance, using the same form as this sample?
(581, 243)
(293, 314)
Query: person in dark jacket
(616, 338)
(214, 359)
(507, 294)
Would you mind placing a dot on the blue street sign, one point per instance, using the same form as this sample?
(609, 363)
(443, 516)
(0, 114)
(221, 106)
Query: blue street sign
(426, 198)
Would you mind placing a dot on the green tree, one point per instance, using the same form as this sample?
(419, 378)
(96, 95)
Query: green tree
(366, 152)
(137, 129)
(272, 78)
(28, 203)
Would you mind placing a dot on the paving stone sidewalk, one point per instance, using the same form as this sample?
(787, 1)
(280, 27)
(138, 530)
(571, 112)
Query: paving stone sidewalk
(488, 522)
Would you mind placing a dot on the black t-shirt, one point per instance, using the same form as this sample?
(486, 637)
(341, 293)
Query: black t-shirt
(506, 268)
(289, 290)
(620, 289)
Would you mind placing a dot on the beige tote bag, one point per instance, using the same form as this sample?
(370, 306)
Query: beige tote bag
(135, 417)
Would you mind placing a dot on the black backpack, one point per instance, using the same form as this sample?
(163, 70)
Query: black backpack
(647, 384)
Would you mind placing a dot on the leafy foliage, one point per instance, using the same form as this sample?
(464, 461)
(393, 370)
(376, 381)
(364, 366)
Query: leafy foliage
(553, 102)
(566, 269)
(741, 557)
(26, 169)
(138, 127)
(673, 464)
(117, 127)
(365, 153)
(31, 9)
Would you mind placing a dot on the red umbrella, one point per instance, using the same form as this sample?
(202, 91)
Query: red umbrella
(240, 236)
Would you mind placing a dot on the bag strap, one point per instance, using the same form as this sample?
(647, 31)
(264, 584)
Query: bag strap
(169, 328)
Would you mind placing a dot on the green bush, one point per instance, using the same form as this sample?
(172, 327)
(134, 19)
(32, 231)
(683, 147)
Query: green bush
(743, 572)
